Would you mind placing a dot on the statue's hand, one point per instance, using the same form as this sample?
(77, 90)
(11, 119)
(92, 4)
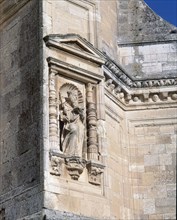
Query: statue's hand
(65, 118)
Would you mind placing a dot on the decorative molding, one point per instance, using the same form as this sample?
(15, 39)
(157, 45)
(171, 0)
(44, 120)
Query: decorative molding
(141, 96)
(127, 90)
(76, 45)
(72, 71)
(125, 79)
(130, 93)
(153, 122)
(128, 43)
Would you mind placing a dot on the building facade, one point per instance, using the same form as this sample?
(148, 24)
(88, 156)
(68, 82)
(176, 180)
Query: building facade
(88, 110)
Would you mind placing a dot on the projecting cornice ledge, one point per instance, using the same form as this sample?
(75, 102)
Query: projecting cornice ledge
(119, 84)
(76, 45)
(140, 93)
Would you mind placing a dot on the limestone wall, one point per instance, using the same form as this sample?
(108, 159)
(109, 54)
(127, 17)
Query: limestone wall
(134, 125)
(147, 43)
(149, 60)
(139, 147)
(96, 21)
(141, 165)
(19, 109)
(152, 162)
(118, 188)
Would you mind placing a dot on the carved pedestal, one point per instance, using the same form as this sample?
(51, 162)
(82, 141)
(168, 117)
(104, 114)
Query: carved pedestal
(95, 169)
(75, 166)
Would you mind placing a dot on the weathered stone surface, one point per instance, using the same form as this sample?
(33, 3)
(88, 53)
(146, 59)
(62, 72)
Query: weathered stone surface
(56, 215)
(165, 202)
(19, 109)
(149, 206)
(142, 24)
(121, 163)
(138, 28)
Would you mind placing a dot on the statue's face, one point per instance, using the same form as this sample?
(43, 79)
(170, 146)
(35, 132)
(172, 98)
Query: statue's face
(72, 97)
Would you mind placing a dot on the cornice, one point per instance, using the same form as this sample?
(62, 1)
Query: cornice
(128, 92)
(125, 78)
(63, 68)
(140, 98)
(76, 45)
(128, 43)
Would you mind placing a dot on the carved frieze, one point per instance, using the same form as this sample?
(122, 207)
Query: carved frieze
(132, 92)
(139, 97)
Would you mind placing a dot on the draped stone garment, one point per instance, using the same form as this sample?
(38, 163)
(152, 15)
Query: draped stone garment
(73, 130)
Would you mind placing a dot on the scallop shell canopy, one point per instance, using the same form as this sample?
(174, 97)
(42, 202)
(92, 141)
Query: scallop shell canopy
(67, 87)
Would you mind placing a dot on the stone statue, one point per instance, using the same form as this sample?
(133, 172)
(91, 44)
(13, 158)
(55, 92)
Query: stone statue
(72, 127)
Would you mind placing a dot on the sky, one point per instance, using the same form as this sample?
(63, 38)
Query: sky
(167, 9)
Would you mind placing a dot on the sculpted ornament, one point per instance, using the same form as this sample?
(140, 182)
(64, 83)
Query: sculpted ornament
(71, 120)
(72, 129)
(73, 116)
(95, 169)
(56, 165)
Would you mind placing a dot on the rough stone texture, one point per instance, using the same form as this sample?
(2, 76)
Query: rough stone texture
(157, 60)
(137, 142)
(156, 182)
(147, 43)
(139, 24)
(20, 111)
(55, 215)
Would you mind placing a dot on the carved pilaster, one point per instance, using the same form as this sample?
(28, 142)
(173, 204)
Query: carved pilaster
(95, 170)
(92, 122)
(53, 115)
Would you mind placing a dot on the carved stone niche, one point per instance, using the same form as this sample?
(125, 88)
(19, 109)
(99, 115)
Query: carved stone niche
(72, 128)
(75, 97)
(95, 169)
(75, 166)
